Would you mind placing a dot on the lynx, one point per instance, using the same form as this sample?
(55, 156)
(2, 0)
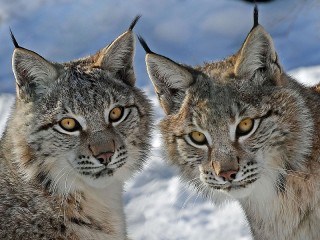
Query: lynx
(77, 131)
(243, 129)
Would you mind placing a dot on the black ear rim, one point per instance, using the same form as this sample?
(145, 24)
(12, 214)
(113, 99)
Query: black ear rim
(134, 22)
(255, 15)
(144, 44)
(14, 41)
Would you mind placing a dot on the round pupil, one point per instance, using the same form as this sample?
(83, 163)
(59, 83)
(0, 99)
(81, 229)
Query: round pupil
(246, 125)
(68, 123)
(198, 136)
(115, 113)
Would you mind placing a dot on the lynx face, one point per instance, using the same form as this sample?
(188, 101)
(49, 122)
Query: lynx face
(89, 129)
(234, 142)
(235, 126)
(82, 122)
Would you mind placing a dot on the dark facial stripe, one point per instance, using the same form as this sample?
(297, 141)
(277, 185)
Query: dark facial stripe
(127, 115)
(45, 127)
(281, 183)
(82, 223)
(135, 106)
(41, 177)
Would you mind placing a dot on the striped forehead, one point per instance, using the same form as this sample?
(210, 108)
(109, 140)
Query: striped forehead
(218, 106)
(86, 94)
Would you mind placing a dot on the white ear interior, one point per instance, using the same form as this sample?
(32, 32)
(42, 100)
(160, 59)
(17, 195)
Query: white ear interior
(257, 52)
(30, 69)
(118, 57)
(166, 73)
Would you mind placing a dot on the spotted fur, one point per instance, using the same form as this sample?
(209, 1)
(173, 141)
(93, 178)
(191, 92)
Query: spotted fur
(59, 184)
(272, 170)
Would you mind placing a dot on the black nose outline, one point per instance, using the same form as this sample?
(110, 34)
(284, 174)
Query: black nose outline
(105, 157)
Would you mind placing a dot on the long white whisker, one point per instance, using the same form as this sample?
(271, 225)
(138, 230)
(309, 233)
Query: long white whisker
(293, 173)
(57, 179)
(63, 195)
(185, 189)
(183, 206)
(71, 185)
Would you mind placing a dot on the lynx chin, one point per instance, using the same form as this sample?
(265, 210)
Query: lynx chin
(77, 131)
(242, 128)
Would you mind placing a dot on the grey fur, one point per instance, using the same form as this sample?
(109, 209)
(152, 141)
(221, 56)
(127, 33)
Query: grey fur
(54, 183)
(274, 169)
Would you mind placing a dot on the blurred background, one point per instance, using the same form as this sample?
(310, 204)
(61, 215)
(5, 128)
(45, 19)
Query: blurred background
(186, 31)
(157, 205)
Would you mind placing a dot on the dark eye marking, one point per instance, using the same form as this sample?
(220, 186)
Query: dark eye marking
(127, 115)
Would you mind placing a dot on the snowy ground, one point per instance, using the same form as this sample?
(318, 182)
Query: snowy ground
(157, 205)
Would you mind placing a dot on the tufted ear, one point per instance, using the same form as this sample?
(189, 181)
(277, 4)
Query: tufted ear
(33, 73)
(117, 58)
(257, 53)
(170, 79)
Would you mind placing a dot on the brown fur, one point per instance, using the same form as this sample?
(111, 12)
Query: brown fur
(60, 181)
(274, 169)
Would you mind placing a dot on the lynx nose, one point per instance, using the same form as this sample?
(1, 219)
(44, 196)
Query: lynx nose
(104, 158)
(102, 147)
(227, 170)
(228, 175)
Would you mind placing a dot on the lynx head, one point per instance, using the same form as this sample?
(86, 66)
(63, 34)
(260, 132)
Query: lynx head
(82, 122)
(237, 127)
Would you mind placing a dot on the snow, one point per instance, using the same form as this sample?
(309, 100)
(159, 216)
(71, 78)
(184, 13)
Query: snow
(157, 204)
(6, 101)
(311, 75)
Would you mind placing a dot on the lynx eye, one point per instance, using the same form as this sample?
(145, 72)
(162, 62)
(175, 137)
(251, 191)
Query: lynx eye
(116, 114)
(69, 124)
(245, 126)
(198, 138)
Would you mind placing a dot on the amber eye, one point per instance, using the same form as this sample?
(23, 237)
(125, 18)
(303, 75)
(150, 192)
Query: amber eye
(69, 124)
(116, 114)
(198, 138)
(245, 126)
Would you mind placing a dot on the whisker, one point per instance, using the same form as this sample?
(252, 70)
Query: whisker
(64, 196)
(292, 173)
(289, 193)
(185, 189)
(57, 179)
(183, 206)
(71, 185)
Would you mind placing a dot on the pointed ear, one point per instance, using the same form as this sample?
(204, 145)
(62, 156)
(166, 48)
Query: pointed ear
(170, 79)
(117, 58)
(33, 73)
(258, 53)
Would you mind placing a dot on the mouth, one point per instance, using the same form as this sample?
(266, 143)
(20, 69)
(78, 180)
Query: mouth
(232, 186)
(96, 172)
(104, 172)
(100, 171)
(108, 170)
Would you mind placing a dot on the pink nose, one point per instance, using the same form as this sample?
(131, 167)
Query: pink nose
(228, 175)
(105, 158)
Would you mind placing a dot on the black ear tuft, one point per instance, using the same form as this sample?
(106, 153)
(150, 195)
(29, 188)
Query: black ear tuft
(15, 43)
(134, 22)
(144, 44)
(255, 15)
